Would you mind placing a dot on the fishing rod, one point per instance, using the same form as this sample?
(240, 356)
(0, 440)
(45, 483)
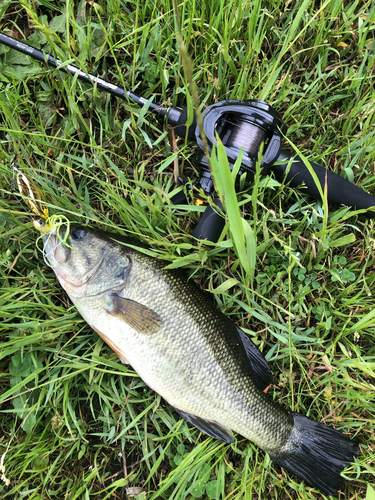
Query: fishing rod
(239, 124)
(172, 114)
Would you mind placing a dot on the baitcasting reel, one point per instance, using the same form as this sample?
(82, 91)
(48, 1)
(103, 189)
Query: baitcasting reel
(247, 124)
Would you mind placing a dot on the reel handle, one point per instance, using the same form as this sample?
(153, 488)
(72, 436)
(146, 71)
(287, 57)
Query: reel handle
(339, 190)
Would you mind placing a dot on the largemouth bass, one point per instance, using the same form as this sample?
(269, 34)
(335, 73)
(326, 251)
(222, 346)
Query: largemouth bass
(185, 349)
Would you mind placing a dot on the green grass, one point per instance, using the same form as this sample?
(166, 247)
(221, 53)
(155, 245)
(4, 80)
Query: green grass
(74, 422)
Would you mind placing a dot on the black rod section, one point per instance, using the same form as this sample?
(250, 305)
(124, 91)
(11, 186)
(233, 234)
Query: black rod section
(73, 70)
(176, 117)
(211, 223)
(339, 190)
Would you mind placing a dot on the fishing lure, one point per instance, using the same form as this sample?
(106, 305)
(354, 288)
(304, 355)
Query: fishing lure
(35, 200)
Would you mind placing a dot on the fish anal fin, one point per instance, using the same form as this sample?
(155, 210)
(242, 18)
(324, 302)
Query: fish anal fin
(259, 370)
(114, 347)
(209, 427)
(143, 319)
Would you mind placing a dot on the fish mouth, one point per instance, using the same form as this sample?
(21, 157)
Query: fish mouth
(55, 252)
(74, 280)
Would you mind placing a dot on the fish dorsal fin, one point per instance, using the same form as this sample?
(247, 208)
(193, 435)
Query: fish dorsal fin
(209, 427)
(259, 370)
(143, 319)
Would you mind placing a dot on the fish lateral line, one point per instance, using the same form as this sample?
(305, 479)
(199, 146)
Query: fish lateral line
(235, 372)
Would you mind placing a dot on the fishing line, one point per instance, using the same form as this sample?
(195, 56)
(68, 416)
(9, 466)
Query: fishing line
(45, 243)
(242, 133)
(55, 231)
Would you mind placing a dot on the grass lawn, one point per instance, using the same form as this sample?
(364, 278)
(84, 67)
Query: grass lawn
(74, 422)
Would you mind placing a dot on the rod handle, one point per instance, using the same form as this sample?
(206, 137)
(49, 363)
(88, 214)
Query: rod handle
(211, 224)
(339, 190)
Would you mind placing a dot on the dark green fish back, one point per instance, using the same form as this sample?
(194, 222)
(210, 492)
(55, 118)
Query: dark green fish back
(243, 369)
(195, 357)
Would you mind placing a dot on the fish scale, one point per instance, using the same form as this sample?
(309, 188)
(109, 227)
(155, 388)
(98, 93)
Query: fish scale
(189, 352)
(231, 391)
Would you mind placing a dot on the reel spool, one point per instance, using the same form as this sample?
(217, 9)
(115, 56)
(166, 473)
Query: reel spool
(236, 132)
(245, 124)
(239, 124)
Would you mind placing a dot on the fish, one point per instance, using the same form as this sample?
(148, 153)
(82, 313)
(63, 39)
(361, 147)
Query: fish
(184, 348)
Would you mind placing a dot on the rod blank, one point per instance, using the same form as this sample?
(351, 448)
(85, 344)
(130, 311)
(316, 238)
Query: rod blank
(44, 57)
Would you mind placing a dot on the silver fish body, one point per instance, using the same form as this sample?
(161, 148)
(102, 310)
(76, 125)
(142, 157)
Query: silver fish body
(185, 349)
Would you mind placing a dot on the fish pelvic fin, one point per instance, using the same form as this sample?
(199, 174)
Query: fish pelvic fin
(209, 427)
(143, 319)
(259, 370)
(317, 454)
(112, 345)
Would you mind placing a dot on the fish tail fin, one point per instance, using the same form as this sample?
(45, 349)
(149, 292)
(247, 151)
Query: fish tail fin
(317, 454)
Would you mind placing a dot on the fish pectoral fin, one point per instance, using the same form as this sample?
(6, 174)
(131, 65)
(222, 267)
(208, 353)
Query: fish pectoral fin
(112, 345)
(209, 427)
(140, 317)
(259, 370)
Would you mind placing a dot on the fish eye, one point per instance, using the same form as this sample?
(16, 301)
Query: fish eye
(79, 233)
